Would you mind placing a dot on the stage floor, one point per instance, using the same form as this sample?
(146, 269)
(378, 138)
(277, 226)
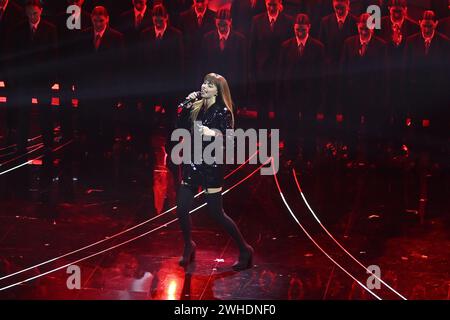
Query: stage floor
(313, 244)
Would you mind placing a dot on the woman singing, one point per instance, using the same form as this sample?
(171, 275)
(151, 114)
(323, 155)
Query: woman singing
(214, 110)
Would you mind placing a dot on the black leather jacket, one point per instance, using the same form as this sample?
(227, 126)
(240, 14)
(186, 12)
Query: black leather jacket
(217, 117)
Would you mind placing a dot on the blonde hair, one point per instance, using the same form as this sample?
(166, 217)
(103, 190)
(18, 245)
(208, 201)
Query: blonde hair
(223, 95)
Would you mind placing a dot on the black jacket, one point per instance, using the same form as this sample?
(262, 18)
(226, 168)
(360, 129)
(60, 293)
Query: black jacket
(34, 58)
(215, 117)
(265, 45)
(102, 69)
(243, 13)
(365, 77)
(409, 28)
(68, 44)
(126, 25)
(193, 36)
(11, 17)
(231, 63)
(396, 63)
(427, 75)
(161, 64)
(444, 26)
(175, 8)
(316, 10)
(333, 38)
(441, 8)
(300, 77)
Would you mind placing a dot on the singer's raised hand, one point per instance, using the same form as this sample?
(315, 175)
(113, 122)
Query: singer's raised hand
(192, 96)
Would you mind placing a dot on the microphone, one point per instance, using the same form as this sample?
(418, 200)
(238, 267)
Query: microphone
(188, 101)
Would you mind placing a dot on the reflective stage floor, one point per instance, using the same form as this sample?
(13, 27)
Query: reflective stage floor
(315, 230)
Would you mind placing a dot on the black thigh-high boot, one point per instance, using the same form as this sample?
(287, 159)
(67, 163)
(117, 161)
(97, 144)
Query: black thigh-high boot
(185, 198)
(215, 209)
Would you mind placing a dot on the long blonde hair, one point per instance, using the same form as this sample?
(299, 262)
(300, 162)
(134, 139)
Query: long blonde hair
(223, 95)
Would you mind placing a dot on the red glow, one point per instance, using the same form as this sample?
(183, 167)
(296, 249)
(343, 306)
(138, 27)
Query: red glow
(339, 117)
(2, 84)
(36, 162)
(34, 100)
(248, 113)
(296, 289)
(408, 122)
(320, 116)
(172, 290)
(425, 123)
(55, 86)
(266, 280)
(55, 101)
(405, 148)
(75, 103)
(3, 99)
(89, 191)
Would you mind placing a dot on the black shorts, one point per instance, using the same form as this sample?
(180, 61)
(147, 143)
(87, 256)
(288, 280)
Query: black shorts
(206, 176)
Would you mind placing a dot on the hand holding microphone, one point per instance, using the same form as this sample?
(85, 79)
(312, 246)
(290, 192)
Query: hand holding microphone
(190, 99)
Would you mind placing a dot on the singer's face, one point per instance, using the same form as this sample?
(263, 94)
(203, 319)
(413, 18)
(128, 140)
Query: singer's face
(208, 90)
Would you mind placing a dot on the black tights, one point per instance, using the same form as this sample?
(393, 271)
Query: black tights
(185, 199)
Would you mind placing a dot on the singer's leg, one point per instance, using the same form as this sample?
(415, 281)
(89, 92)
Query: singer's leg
(185, 197)
(215, 209)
